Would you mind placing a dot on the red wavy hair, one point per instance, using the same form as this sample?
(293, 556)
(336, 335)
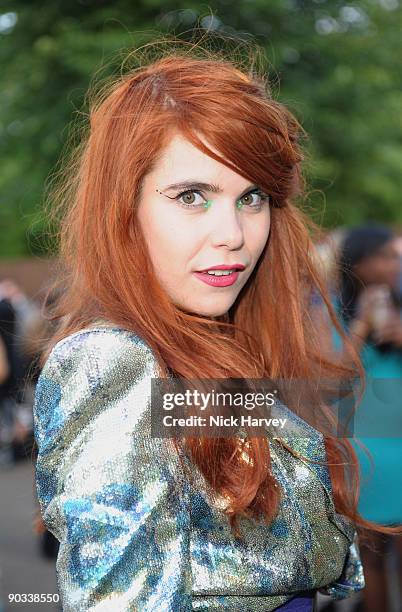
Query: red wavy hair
(106, 271)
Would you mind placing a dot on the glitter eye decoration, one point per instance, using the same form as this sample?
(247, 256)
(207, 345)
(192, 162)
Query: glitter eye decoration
(251, 201)
(188, 199)
(247, 201)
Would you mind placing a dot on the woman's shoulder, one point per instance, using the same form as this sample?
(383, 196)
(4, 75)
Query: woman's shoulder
(99, 331)
(97, 371)
(100, 348)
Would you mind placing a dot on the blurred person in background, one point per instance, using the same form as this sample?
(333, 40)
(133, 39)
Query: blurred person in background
(4, 364)
(8, 378)
(369, 306)
(27, 318)
(23, 312)
(4, 375)
(398, 245)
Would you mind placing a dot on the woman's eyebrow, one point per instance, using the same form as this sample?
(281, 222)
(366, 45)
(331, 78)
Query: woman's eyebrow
(195, 185)
(204, 186)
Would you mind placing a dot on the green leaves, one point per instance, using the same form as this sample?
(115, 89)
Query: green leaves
(336, 65)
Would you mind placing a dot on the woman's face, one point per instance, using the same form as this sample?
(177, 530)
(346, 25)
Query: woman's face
(185, 237)
(383, 267)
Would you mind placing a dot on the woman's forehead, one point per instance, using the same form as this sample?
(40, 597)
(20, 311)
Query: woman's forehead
(181, 161)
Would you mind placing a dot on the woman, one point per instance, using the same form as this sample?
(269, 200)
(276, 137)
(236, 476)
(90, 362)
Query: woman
(8, 379)
(189, 166)
(369, 307)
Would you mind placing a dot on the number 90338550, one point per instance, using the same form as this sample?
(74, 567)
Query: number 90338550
(33, 597)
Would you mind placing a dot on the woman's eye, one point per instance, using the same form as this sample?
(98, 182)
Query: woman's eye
(254, 199)
(191, 199)
(194, 199)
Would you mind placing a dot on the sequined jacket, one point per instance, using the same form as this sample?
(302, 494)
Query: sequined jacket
(134, 533)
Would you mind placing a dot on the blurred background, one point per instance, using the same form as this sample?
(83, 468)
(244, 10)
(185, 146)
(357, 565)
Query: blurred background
(337, 66)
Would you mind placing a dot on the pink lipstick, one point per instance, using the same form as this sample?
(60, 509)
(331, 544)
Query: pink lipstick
(225, 275)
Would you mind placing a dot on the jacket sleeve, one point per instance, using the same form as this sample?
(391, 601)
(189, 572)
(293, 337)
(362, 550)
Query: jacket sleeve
(352, 577)
(109, 492)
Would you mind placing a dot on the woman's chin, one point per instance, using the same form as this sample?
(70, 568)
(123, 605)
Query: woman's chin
(210, 311)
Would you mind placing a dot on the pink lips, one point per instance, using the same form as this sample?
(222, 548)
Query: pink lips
(220, 281)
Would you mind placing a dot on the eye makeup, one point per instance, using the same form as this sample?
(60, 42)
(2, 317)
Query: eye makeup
(208, 203)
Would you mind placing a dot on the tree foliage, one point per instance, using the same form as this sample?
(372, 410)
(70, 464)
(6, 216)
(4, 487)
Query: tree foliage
(336, 65)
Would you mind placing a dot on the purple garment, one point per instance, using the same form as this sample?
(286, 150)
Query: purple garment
(300, 603)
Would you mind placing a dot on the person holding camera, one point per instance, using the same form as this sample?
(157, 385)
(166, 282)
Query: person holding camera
(369, 307)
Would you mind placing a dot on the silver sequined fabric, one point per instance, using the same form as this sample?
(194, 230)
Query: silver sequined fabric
(135, 534)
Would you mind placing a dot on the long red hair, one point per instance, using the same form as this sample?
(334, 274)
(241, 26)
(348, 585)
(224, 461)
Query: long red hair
(106, 272)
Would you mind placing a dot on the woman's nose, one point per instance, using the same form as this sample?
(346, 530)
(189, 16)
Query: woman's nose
(226, 227)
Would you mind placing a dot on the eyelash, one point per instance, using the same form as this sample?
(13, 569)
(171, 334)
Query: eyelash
(264, 198)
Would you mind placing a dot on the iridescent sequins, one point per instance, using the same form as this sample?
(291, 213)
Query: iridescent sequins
(135, 533)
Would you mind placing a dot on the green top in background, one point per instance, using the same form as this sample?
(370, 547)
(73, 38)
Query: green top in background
(378, 425)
